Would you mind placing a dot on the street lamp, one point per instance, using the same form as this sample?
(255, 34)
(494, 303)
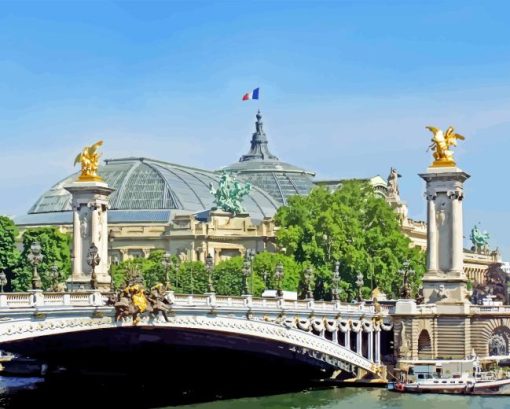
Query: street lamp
(209, 267)
(93, 260)
(279, 276)
(35, 258)
(54, 277)
(3, 281)
(359, 283)
(246, 273)
(166, 261)
(308, 283)
(406, 272)
(335, 293)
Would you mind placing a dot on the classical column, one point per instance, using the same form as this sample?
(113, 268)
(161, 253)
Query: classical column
(334, 336)
(432, 259)
(94, 218)
(457, 231)
(359, 342)
(76, 241)
(370, 355)
(378, 346)
(347, 339)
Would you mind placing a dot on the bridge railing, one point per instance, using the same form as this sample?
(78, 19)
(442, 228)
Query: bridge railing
(490, 309)
(95, 298)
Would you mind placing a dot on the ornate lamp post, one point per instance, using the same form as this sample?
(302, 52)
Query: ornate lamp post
(209, 267)
(335, 292)
(359, 283)
(93, 260)
(246, 274)
(166, 261)
(54, 277)
(279, 276)
(35, 258)
(308, 283)
(265, 275)
(3, 281)
(406, 272)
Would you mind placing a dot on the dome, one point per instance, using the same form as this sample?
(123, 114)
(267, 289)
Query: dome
(264, 170)
(145, 188)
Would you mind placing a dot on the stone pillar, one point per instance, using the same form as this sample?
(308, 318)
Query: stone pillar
(90, 225)
(359, 342)
(370, 354)
(347, 339)
(334, 336)
(432, 264)
(378, 346)
(444, 281)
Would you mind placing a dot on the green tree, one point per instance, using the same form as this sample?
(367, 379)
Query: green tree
(264, 266)
(353, 226)
(191, 278)
(228, 277)
(56, 251)
(9, 253)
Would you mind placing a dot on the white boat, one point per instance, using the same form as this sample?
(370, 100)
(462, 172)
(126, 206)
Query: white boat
(449, 376)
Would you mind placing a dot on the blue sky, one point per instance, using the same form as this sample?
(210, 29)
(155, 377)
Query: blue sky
(347, 88)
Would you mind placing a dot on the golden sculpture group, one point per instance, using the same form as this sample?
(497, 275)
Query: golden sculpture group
(89, 159)
(441, 143)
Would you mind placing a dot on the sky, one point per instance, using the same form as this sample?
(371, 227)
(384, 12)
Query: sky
(347, 88)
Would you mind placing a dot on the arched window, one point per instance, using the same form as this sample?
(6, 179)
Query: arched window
(424, 345)
(499, 342)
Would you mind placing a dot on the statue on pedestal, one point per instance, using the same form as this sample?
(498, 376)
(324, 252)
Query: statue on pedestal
(393, 190)
(89, 159)
(441, 144)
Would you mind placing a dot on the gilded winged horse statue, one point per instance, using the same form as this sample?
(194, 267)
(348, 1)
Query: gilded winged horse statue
(441, 143)
(89, 159)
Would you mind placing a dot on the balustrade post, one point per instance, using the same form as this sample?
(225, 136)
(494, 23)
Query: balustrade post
(3, 300)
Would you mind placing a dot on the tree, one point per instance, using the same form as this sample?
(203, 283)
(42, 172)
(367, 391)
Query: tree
(264, 266)
(56, 251)
(9, 253)
(351, 225)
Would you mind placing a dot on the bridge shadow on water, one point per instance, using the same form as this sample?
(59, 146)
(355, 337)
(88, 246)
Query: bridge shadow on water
(151, 368)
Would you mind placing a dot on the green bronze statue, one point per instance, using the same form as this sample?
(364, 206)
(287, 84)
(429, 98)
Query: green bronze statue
(480, 240)
(229, 194)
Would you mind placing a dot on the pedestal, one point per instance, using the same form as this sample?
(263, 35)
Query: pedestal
(445, 280)
(90, 225)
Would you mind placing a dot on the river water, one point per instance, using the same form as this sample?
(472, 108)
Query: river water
(24, 394)
(358, 398)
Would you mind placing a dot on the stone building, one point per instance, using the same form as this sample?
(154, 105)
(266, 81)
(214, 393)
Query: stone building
(161, 205)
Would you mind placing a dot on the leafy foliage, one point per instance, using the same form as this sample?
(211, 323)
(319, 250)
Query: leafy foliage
(56, 251)
(353, 226)
(9, 253)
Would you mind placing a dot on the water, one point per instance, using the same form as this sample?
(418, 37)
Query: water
(362, 398)
(27, 393)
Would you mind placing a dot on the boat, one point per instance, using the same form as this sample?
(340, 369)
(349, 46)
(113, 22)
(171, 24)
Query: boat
(452, 377)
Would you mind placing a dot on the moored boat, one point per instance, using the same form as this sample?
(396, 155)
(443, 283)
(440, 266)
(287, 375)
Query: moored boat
(452, 377)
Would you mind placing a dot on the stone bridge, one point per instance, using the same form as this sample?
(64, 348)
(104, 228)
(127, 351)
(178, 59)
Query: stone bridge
(340, 336)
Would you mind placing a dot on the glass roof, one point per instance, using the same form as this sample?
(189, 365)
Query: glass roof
(146, 184)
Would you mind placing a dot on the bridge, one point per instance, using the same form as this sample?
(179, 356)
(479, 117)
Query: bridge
(331, 335)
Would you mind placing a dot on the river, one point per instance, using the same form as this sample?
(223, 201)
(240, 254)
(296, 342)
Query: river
(28, 395)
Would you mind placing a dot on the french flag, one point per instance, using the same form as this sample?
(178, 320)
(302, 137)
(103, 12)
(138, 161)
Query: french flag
(251, 95)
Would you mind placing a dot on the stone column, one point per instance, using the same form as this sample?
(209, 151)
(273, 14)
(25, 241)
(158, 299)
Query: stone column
(432, 244)
(378, 346)
(347, 339)
(370, 355)
(77, 257)
(90, 204)
(334, 336)
(359, 342)
(457, 231)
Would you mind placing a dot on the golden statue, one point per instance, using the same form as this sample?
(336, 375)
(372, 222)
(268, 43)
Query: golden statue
(89, 159)
(441, 143)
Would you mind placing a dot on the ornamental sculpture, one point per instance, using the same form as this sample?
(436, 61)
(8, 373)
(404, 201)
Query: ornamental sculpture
(441, 144)
(229, 194)
(480, 240)
(89, 160)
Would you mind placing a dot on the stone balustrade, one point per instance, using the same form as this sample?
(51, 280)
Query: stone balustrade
(95, 298)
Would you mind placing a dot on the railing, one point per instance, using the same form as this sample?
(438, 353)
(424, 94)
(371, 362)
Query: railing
(481, 309)
(96, 299)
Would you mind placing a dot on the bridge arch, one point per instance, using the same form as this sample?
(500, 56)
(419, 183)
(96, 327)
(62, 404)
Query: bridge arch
(424, 345)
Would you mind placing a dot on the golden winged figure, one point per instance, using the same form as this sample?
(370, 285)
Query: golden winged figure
(441, 143)
(89, 159)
